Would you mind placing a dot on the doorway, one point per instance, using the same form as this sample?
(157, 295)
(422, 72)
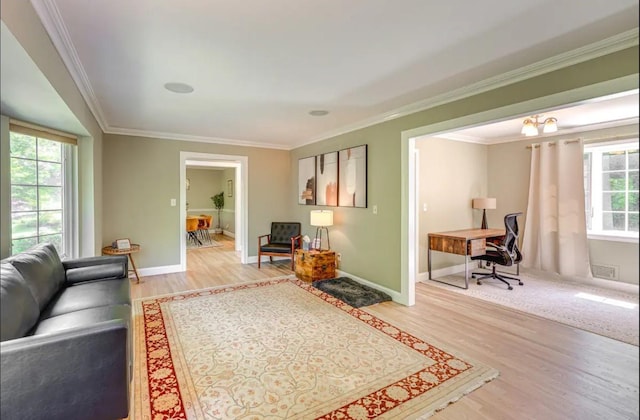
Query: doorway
(239, 195)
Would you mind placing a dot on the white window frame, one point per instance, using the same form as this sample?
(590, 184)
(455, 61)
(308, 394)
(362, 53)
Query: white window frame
(69, 182)
(595, 212)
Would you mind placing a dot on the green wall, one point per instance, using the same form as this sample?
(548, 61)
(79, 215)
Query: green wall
(142, 175)
(371, 244)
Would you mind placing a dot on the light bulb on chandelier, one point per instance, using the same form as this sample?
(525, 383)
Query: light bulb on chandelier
(531, 126)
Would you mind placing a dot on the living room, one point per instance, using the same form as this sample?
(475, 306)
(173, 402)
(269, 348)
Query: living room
(116, 166)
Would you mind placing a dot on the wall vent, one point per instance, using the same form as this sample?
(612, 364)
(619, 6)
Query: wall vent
(609, 272)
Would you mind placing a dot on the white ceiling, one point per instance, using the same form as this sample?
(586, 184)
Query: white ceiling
(258, 67)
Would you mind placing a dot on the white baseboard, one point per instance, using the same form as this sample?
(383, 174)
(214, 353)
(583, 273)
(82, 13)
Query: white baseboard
(230, 234)
(441, 272)
(254, 259)
(154, 271)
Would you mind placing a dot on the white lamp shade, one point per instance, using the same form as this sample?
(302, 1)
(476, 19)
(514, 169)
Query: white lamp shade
(321, 218)
(484, 203)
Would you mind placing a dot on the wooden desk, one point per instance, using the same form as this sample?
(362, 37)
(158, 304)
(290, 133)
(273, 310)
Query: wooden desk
(109, 250)
(467, 242)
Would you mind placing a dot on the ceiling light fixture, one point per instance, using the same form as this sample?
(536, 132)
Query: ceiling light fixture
(177, 87)
(318, 112)
(530, 126)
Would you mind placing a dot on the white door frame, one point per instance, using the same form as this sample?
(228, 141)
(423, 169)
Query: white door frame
(241, 195)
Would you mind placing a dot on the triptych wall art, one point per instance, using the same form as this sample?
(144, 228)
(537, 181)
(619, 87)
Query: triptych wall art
(334, 178)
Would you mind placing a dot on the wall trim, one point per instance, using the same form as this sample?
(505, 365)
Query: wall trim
(154, 271)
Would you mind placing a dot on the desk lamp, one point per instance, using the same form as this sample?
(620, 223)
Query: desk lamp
(484, 204)
(321, 219)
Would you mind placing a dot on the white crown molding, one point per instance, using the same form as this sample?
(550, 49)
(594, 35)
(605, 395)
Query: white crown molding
(55, 27)
(198, 139)
(598, 49)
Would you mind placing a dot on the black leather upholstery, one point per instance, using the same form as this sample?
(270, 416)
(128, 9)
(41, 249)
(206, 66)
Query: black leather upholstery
(283, 240)
(66, 336)
(505, 254)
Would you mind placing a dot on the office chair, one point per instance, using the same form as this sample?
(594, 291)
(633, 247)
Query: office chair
(506, 253)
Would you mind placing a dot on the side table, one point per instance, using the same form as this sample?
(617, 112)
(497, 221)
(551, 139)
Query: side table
(109, 250)
(315, 265)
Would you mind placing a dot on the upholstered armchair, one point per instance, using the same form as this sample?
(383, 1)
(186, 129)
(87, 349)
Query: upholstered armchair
(283, 241)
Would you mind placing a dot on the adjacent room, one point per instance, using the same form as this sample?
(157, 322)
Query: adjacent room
(283, 209)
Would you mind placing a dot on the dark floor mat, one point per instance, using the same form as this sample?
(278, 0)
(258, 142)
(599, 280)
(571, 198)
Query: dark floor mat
(351, 292)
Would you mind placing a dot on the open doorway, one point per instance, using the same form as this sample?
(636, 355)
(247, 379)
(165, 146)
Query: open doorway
(232, 183)
(413, 209)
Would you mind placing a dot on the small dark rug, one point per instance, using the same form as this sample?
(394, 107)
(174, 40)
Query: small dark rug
(351, 292)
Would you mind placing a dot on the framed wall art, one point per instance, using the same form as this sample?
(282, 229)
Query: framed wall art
(307, 180)
(352, 182)
(327, 179)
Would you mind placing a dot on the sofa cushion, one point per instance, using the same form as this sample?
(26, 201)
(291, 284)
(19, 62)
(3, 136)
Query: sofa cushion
(83, 318)
(42, 271)
(86, 295)
(18, 308)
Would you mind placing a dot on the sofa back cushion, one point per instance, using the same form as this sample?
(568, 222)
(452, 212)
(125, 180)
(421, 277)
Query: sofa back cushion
(18, 308)
(42, 271)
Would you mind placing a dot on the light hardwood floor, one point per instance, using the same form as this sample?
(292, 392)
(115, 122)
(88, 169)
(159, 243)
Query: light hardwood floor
(547, 370)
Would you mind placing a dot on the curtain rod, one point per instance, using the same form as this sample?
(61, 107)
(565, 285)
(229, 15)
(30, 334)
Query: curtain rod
(589, 141)
(551, 143)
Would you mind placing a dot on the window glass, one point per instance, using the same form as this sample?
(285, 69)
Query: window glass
(611, 183)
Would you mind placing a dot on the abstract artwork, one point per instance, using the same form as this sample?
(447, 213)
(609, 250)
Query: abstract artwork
(307, 180)
(327, 179)
(352, 182)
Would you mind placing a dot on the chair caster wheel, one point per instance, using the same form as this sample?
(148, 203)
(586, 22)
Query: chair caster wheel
(521, 284)
(479, 283)
(473, 276)
(510, 288)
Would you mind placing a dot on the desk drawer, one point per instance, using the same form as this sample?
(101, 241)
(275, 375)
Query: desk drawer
(477, 247)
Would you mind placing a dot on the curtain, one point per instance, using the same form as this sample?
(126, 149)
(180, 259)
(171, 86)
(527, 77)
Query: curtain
(555, 234)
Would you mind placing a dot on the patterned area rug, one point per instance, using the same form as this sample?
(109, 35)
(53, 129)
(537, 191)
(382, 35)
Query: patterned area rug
(603, 307)
(191, 245)
(281, 349)
(351, 292)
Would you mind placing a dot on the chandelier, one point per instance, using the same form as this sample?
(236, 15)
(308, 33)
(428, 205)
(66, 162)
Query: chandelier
(531, 125)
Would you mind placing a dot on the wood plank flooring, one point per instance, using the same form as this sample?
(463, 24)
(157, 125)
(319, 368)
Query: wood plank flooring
(547, 370)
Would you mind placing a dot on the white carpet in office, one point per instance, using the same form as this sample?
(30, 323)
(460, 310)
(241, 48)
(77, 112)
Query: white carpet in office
(553, 297)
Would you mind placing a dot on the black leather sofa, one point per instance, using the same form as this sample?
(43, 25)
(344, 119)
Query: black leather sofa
(65, 336)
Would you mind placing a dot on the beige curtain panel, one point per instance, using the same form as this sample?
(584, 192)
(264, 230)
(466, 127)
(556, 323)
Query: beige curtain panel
(555, 234)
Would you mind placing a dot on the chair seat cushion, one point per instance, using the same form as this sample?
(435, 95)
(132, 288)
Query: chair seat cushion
(280, 248)
(496, 257)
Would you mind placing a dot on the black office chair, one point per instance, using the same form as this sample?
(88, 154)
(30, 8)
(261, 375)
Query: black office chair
(506, 253)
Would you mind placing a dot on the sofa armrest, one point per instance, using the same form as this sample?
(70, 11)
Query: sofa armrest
(96, 268)
(74, 374)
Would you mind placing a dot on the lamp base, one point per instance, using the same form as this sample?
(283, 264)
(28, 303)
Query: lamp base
(318, 238)
(484, 219)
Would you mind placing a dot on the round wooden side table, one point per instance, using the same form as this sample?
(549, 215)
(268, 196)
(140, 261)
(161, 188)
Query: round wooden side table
(109, 250)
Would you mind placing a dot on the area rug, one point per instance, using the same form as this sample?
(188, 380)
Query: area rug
(281, 348)
(213, 243)
(351, 292)
(603, 307)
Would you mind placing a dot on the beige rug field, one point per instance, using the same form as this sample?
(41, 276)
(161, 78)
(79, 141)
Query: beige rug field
(281, 349)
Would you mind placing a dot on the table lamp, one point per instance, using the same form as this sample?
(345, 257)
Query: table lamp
(484, 204)
(321, 219)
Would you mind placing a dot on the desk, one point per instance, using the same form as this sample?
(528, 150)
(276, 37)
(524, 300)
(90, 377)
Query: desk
(467, 242)
(109, 250)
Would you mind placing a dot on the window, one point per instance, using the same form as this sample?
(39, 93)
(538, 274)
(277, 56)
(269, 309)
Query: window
(611, 189)
(42, 193)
